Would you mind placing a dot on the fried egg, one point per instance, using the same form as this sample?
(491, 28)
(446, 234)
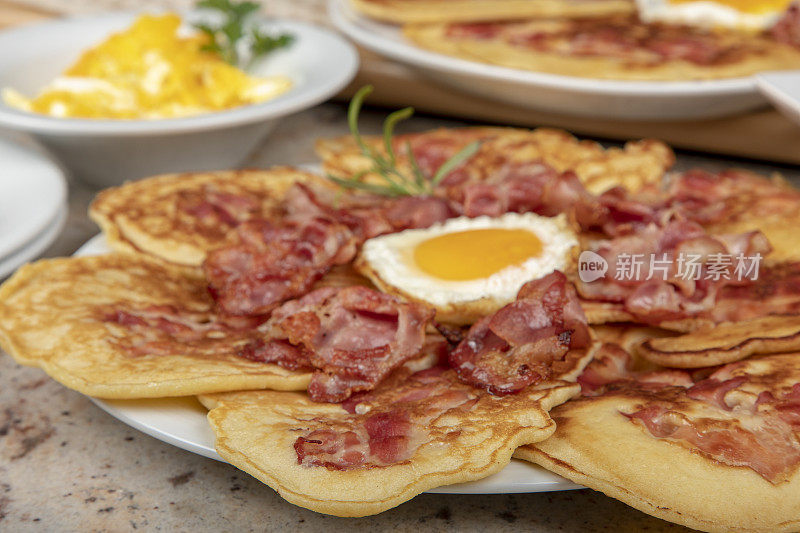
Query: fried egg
(467, 268)
(740, 14)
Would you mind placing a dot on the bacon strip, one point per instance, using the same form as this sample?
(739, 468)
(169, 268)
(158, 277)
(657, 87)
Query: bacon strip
(625, 38)
(787, 29)
(387, 425)
(772, 451)
(516, 347)
(352, 337)
(271, 264)
(674, 292)
(673, 405)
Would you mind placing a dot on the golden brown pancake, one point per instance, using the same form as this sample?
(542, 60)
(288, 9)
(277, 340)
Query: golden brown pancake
(125, 326)
(402, 11)
(180, 217)
(723, 343)
(589, 48)
(598, 446)
(637, 164)
(458, 434)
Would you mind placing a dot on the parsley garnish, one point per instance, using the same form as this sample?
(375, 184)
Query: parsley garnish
(235, 32)
(396, 181)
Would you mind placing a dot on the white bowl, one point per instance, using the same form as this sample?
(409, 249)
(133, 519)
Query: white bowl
(569, 95)
(108, 152)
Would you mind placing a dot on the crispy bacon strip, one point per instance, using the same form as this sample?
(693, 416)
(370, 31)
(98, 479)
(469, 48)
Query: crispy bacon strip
(516, 346)
(387, 425)
(787, 29)
(672, 292)
(671, 400)
(167, 329)
(272, 263)
(352, 337)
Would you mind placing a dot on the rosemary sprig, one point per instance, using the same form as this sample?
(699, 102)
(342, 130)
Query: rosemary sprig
(396, 181)
(235, 32)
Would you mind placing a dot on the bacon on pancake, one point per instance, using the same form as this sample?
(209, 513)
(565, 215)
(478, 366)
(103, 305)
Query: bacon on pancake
(741, 414)
(787, 29)
(529, 187)
(775, 292)
(517, 346)
(351, 337)
(669, 294)
(400, 413)
(367, 215)
(272, 263)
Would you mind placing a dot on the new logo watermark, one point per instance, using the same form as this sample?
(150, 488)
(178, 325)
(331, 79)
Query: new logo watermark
(591, 266)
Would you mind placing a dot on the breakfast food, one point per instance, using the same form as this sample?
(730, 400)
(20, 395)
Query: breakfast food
(181, 217)
(723, 343)
(715, 453)
(412, 320)
(620, 47)
(425, 425)
(633, 166)
(420, 430)
(402, 11)
(121, 326)
(467, 268)
(748, 14)
(149, 71)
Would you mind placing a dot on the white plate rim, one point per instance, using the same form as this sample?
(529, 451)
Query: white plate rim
(515, 478)
(336, 50)
(37, 245)
(51, 176)
(387, 41)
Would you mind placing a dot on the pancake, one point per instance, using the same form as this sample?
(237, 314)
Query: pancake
(124, 326)
(180, 217)
(437, 430)
(598, 446)
(615, 47)
(637, 164)
(723, 343)
(402, 11)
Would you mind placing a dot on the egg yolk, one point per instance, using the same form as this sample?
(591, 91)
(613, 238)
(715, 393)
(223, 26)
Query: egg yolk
(475, 254)
(149, 71)
(746, 6)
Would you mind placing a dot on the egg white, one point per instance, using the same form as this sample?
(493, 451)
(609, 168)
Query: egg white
(389, 261)
(704, 13)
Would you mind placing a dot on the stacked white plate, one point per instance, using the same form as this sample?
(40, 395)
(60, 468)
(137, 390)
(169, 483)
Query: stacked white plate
(33, 203)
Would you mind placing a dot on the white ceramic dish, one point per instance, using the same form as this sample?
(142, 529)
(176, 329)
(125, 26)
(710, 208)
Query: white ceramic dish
(182, 423)
(37, 246)
(783, 90)
(107, 152)
(628, 100)
(32, 192)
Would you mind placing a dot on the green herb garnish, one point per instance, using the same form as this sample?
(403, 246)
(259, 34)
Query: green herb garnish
(397, 182)
(236, 32)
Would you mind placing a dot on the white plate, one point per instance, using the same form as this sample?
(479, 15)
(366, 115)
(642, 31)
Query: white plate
(37, 246)
(32, 191)
(783, 90)
(182, 423)
(656, 100)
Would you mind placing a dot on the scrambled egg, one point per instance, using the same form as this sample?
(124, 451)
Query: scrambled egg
(148, 71)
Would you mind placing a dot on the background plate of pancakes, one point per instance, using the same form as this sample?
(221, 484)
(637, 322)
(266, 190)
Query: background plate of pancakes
(631, 100)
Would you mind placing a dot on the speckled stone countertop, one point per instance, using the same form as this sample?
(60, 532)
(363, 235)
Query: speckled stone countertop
(65, 465)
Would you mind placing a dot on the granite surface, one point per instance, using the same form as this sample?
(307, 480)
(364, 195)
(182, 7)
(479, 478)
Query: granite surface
(67, 466)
